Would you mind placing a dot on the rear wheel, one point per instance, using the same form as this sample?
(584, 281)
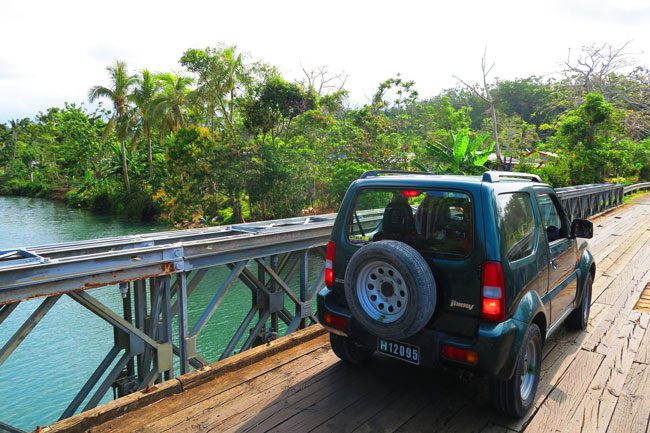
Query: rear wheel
(390, 289)
(515, 396)
(349, 351)
(579, 318)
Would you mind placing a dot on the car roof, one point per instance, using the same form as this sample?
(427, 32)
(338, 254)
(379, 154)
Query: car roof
(437, 180)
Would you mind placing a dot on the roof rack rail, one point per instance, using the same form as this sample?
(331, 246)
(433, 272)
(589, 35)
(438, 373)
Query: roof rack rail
(495, 176)
(370, 173)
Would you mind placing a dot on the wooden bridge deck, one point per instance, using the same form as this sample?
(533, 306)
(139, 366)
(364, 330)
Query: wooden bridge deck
(594, 381)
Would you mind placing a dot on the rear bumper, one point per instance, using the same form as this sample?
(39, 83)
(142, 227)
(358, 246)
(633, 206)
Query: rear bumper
(497, 345)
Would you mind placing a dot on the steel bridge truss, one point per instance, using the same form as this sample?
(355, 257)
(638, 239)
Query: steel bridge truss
(157, 273)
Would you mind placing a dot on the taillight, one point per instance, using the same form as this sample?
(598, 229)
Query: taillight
(493, 306)
(334, 320)
(457, 354)
(410, 193)
(329, 264)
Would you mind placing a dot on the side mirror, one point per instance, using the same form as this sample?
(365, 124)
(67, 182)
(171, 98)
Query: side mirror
(582, 229)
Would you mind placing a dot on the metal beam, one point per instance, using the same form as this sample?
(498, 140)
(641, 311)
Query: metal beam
(105, 313)
(6, 310)
(218, 297)
(279, 281)
(182, 324)
(108, 381)
(27, 327)
(238, 334)
(91, 382)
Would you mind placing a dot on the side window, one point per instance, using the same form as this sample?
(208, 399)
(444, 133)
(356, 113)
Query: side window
(553, 222)
(517, 223)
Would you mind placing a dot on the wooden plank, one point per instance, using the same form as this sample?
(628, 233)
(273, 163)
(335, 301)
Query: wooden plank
(567, 395)
(640, 257)
(643, 304)
(398, 410)
(377, 397)
(633, 408)
(643, 354)
(495, 428)
(114, 409)
(175, 407)
(606, 242)
(251, 356)
(231, 410)
(471, 419)
(326, 394)
(439, 414)
(623, 293)
(174, 403)
(223, 415)
(595, 411)
(220, 405)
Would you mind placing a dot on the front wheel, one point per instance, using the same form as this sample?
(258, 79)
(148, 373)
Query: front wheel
(349, 351)
(515, 396)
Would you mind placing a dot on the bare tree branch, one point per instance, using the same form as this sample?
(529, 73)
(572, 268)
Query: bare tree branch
(322, 80)
(487, 97)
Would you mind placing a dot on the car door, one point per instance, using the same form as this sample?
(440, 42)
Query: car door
(563, 282)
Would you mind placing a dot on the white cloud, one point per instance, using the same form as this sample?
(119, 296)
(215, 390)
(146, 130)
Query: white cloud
(55, 51)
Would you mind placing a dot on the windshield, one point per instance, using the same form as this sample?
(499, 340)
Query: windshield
(435, 221)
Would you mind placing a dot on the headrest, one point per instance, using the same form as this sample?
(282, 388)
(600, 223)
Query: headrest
(398, 218)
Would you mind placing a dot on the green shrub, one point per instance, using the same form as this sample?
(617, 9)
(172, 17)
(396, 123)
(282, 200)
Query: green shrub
(25, 188)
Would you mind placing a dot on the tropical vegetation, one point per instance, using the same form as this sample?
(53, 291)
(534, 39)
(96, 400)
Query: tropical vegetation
(230, 139)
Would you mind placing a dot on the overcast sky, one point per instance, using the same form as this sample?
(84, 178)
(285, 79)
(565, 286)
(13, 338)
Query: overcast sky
(54, 51)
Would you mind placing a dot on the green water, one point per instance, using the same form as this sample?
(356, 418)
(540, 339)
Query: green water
(41, 377)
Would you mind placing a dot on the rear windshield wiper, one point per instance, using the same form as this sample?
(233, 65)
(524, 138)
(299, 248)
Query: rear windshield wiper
(356, 217)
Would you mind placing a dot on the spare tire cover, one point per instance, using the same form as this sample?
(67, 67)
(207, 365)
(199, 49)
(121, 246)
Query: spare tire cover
(390, 289)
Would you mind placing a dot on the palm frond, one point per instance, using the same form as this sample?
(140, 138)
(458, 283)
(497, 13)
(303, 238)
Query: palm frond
(97, 92)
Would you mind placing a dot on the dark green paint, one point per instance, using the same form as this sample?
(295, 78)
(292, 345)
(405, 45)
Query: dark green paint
(532, 285)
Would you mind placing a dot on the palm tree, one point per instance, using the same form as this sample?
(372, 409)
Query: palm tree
(14, 136)
(118, 93)
(143, 97)
(169, 105)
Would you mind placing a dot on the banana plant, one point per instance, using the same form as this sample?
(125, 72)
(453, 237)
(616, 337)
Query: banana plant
(464, 154)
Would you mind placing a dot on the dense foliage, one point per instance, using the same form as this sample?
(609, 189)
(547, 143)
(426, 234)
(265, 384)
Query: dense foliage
(231, 140)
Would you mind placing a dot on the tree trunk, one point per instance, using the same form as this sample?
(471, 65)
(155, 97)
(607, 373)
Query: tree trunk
(495, 132)
(237, 210)
(125, 170)
(14, 139)
(493, 112)
(149, 154)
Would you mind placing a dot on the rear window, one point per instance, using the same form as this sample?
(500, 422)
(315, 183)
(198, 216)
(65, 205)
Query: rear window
(438, 222)
(517, 225)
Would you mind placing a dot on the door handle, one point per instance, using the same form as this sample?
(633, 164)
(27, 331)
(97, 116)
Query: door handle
(554, 263)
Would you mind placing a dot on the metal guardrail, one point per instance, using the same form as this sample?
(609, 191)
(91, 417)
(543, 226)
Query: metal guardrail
(156, 273)
(636, 187)
(584, 201)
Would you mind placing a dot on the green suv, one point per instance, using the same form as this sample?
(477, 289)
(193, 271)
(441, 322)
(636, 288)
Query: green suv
(467, 271)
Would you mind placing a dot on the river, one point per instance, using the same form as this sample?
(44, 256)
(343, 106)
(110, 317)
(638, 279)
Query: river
(44, 373)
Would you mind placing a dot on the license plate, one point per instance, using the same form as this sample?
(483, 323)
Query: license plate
(399, 350)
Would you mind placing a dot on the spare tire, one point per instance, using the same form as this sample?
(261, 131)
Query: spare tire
(390, 289)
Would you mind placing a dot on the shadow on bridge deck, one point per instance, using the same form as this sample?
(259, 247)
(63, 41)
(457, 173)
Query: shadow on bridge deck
(593, 381)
